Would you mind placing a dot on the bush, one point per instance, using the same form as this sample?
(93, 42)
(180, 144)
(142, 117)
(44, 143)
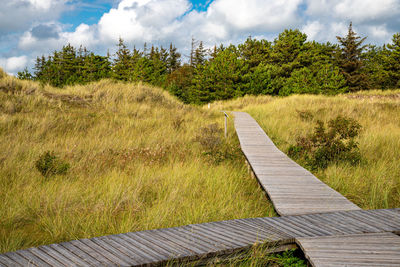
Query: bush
(48, 164)
(333, 144)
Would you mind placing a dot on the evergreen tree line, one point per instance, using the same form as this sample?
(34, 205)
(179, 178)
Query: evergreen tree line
(288, 65)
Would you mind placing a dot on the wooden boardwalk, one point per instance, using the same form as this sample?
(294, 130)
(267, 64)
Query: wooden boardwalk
(202, 241)
(294, 190)
(331, 230)
(291, 188)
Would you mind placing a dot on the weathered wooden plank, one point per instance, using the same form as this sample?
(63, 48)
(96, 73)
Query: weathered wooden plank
(5, 261)
(199, 241)
(33, 259)
(73, 257)
(79, 248)
(21, 261)
(147, 239)
(206, 237)
(68, 259)
(148, 255)
(122, 250)
(378, 249)
(52, 261)
(175, 238)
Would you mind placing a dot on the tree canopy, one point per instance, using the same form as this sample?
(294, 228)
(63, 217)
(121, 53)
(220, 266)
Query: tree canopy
(288, 65)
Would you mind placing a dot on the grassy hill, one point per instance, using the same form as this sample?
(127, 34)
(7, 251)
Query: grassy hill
(139, 159)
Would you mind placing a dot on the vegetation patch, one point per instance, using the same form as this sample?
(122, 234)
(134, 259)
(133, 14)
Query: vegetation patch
(49, 164)
(327, 144)
(214, 147)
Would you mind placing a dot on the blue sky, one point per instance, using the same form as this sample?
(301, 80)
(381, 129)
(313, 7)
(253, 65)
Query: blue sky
(30, 28)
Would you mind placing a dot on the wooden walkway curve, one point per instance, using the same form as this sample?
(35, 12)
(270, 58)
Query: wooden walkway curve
(331, 230)
(291, 188)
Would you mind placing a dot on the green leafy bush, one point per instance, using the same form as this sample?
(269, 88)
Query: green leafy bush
(335, 143)
(48, 164)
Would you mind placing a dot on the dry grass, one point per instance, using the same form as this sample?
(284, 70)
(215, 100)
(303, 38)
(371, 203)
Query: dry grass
(134, 164)
(373, 184)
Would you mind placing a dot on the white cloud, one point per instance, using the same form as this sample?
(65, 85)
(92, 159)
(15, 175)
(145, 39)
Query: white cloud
(264, 15)
(313, 29)
(141, 20)
(13, 64)
(83, 35)
(379, 32)
(19, 15)
(366, 10)
(356, 10)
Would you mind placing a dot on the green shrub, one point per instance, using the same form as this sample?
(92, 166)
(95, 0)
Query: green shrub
(48, 164)
(334, 143)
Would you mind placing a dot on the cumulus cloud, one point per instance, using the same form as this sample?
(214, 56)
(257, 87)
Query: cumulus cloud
(355, 10)
(141, 20)
(260, 15)
(313, 29)
(18, 15)
(366, 10)
(375, 19)
(13, 64)
(53, 38)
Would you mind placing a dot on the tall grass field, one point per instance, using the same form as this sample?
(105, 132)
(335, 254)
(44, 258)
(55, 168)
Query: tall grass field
(137, 159)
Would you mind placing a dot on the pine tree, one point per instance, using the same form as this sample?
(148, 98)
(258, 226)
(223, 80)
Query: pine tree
(392, 61)
(199, 55)
(24, 75)
(213, 53)
(173, 60)
(122, 66)
(192, 52)
(69, 65)
(39, 68)
(351, 62)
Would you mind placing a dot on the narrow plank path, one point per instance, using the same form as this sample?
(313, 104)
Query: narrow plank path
(291, 188)
(207, 240)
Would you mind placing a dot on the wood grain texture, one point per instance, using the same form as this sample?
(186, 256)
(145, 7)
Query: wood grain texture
(207, 240)
(377, 249)
(291, 188)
